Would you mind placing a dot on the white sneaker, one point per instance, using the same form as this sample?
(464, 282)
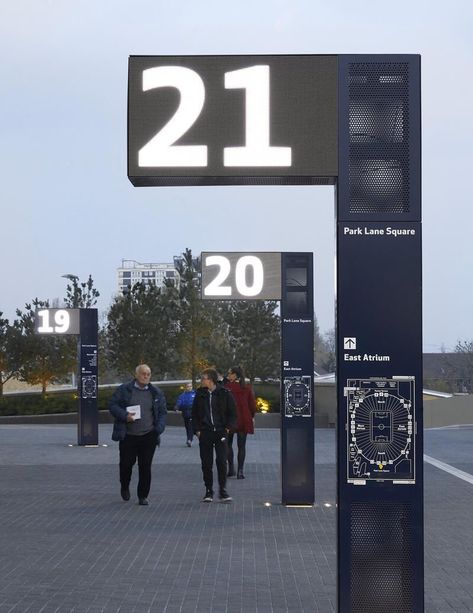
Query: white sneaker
(224, 497)
(209, 496)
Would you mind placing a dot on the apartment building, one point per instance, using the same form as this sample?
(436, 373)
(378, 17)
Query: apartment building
(155, 273)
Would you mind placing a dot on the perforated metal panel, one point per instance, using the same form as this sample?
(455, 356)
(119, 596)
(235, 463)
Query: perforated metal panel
(379, 137)
(381, 557)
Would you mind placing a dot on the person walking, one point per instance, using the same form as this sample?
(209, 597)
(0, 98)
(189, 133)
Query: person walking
(184, 404)
(213, 416)
(139, 409)
(246, 409)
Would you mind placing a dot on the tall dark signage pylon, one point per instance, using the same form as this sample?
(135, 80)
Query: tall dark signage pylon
(87, 383)
(287, 277)
(82, 323)
(379, 336)
(297, 379)
(352, 121)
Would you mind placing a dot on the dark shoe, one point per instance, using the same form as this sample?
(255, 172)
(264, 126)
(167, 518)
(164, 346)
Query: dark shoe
(125, 492)
(231, 470)
(240, 474)
(143, 502)
(224, 497)
(209, 496)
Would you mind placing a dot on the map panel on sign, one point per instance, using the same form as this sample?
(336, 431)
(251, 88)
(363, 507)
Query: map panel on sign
(380, 432)
(297, 397)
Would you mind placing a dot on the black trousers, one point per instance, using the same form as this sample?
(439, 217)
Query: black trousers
(208, 441)
(139, 448)
(189, 428)
(241, 444)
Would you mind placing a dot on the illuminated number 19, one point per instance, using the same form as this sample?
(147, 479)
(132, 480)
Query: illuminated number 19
(61, 319)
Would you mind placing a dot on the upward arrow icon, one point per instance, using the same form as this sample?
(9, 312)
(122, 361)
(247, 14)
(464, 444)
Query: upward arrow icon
(349, 342)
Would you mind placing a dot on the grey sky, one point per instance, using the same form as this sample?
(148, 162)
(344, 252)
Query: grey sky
(67, 205)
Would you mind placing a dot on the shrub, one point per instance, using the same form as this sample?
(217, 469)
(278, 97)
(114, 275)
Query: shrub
(67, 402)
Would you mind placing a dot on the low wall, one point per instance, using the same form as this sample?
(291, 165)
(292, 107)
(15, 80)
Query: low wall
(270, 420)
(325, 395)
(448, 411)
(325, 403)
(437, 412)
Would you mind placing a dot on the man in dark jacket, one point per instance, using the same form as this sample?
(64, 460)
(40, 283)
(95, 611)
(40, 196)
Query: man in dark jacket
(213, 415)
(139, 409)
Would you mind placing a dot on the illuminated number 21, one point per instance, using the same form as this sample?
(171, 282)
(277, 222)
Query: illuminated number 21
(161, 150)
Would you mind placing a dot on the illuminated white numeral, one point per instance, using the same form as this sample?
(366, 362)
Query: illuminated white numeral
(44, 328)
(160, 150)
(257, 151)
(258, 275)
(215, 287)
(62, 321)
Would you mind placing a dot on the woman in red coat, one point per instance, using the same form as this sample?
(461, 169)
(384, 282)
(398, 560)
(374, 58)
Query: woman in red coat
(246, 409)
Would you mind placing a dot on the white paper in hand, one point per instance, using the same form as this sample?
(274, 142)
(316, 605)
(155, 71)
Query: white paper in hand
(135, 411)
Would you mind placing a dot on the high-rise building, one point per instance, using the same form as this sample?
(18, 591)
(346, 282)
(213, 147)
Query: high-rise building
(153, 273)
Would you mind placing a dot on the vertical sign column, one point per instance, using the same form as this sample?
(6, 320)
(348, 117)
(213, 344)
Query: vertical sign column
(287, 277)
(84, 324)
(297, 385)
(379, 342)
(88, 378)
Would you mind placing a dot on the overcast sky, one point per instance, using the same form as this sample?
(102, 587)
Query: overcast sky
(68, 207)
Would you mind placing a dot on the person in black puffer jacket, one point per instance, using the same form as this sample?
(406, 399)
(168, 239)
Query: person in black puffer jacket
(213, 416)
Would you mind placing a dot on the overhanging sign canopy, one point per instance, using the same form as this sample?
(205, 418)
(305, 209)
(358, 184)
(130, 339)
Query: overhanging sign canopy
(353, 120)
(214, 120)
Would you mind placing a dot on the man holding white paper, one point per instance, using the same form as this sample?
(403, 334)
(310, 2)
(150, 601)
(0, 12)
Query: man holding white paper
(139, 409)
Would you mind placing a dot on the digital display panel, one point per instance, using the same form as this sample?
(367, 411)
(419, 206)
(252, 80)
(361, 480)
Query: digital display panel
(57, 321)
(241, 276)
(212, 120)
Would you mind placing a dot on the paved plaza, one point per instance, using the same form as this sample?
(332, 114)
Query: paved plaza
(70, 544)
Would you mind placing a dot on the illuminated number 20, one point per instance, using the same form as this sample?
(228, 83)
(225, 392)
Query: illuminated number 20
(216, 287)
(161, 151)
(61, 319)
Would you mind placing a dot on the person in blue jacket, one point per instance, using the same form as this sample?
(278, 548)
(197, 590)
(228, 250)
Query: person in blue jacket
(184, 404)
(137, 436)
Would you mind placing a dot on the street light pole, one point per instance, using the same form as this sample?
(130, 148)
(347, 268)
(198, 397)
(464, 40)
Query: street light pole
(72, 278)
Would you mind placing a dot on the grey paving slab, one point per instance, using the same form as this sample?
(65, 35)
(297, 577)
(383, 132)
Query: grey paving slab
(68, 543)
